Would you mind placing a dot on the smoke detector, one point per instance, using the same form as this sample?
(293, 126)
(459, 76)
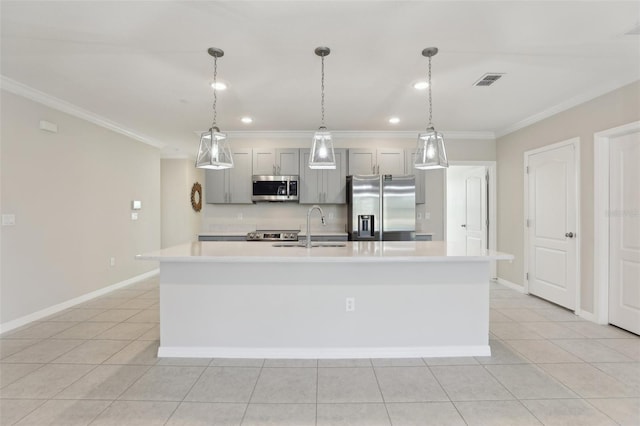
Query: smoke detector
(488, 79)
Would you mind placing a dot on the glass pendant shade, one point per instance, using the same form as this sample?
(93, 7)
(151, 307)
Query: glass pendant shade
(322, 155)
(214, 152)
(430, 153)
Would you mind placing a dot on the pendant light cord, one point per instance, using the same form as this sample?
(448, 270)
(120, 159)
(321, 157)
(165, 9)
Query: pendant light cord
(322, 93)
(430, 103)
(215, 90)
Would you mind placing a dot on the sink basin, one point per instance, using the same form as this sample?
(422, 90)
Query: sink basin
(316, 244)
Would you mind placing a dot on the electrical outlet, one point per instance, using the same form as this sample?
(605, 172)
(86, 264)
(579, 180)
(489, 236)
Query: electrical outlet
(239, 216)
(427, 215)
(350, 304)
(112, 261)
(331, 215)
(134, 216)
(419, 216)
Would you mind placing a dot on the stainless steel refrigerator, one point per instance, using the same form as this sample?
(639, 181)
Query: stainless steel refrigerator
(381, 207)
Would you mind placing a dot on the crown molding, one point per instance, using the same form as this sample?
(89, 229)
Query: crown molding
(563, 106)
(353, 134)
(50, 101)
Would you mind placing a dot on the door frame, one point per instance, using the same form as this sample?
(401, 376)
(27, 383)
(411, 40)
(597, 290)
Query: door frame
(491, 204)
(575, 142)
(602, 143)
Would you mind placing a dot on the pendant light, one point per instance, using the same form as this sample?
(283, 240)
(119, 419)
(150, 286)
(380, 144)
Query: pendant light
(322, 155)
(430, 153)
(214, 152)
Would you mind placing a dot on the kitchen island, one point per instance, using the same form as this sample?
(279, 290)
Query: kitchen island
(359, 300)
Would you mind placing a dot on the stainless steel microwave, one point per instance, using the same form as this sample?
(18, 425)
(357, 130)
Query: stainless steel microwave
(275, 188)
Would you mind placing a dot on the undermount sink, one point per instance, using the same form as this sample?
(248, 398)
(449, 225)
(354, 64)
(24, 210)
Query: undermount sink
(316, 244)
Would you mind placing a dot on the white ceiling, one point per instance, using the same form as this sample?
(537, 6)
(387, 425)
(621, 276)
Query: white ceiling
(144, 64)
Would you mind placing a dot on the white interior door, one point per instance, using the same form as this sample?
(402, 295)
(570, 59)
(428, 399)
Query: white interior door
(476, 210)
(624, 232)
(552, 220)
(467, 206)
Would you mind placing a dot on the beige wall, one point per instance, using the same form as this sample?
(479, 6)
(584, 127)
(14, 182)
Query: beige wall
(180, 223)
(71, 193)
(613, 109)
(276, 215)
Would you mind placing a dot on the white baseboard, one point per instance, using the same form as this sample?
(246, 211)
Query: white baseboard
(324, 353)
(509, 284)
(19, 322)
(587, 315)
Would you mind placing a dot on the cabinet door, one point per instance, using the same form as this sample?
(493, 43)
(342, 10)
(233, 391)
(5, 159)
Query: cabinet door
(362, 161)
(239, 180)
(264, 161)
(390, 161)
(310, 180)
(288, 161)
(419, 174)
(335, 181)
(215, 188)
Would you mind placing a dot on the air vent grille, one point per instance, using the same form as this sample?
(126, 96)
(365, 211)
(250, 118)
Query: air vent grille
(488, 79)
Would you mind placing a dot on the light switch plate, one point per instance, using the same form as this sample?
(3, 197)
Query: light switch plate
(8, 219)
(136, 205)
(48, 126)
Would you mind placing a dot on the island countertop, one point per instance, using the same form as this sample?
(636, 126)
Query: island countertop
(350, 251)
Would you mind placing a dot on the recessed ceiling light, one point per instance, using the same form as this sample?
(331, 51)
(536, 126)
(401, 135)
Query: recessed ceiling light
(394, 120)
(219, 86)
(247, 120)
(421, 85)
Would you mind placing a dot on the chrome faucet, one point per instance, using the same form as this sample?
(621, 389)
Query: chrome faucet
(314, 207)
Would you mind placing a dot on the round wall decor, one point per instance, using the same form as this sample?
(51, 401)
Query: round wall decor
(196, 197)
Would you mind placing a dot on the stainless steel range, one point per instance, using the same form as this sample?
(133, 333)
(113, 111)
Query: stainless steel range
(271, 235)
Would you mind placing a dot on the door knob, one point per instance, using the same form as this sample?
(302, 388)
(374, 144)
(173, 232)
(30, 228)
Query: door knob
(464, 226)
(569, 235)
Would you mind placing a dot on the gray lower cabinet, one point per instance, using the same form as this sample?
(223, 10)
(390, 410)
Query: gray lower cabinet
(323, 186)
(328, 238)
(231, 186)
(424, 237)
(222, 238)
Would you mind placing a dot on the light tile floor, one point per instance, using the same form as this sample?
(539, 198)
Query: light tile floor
(96, 364)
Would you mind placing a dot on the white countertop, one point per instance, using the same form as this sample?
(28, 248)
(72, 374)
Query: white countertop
(302, 233)
(352, 251)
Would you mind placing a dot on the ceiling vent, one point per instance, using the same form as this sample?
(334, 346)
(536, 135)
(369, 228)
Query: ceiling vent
(488, 79)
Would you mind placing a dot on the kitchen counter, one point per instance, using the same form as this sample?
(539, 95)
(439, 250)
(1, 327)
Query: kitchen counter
(352, 252)
(362, 300)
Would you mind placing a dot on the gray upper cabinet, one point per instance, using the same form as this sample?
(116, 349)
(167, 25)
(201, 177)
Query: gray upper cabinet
(323, 186)
(385, 161)
(419, 174)
(231, 186)
(280, 161)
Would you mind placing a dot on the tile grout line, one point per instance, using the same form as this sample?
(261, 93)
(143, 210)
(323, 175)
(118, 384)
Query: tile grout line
(187, 392)
(384, 402)
(246, 408)
(447, 394)
(522, 404)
